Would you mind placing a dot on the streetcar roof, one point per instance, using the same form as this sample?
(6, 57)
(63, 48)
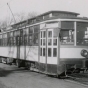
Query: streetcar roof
(59, 12)
(61, 17)
(47, 13)
(57, 17)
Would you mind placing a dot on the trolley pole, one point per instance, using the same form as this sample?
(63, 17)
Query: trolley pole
(11, 12)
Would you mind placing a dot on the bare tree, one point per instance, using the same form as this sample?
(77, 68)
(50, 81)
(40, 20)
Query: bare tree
(6, 23)
(31, 14)
(21, 16)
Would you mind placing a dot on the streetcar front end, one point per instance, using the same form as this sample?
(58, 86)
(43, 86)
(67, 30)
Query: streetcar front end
(74, 46)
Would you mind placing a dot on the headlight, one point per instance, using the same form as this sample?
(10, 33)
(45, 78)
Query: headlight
(84, 53)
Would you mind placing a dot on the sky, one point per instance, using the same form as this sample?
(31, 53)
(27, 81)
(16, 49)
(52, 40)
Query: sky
(41, 6)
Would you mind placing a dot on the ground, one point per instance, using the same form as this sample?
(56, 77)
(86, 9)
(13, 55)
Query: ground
(13, 77)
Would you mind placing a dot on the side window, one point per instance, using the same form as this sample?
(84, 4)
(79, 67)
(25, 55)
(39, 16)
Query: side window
(82, 33)
(14, 40)
(35, 39)
(18, 33)
(11, 34)
(24, 31)
(17, 37)
(44, 42)
(21, 32)
(14, 33)
(25, 34)
(49, 33)
(54, 52)
(44, 50)
(49, 38)
(8, 38)
(17, 40)
(11, 38)
(36, 28)
(49, 52)
(3, 39)
(54, 41)
(31, 31)
(21, 40)
(41, 34)
(21, 37)
(36, 34)
(0, 40)
(49, 41)
(41, 42)
(40, 51)
(44, 34)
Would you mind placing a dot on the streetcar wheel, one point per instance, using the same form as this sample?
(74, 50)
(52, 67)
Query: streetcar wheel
(18, 63)
(27, 65)
(77, 70)
(59, 76)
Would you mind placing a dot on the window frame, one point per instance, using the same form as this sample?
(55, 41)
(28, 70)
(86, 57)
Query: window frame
(79, 35)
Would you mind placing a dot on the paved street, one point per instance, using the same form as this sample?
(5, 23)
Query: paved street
(13, 77)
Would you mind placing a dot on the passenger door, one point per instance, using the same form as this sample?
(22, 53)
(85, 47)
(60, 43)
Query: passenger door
(48, 51)
(52, 51)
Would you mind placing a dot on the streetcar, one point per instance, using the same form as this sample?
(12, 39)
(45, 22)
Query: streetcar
(54, 43)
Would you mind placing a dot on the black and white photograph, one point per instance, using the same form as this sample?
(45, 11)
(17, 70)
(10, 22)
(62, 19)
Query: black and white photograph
(43, 44)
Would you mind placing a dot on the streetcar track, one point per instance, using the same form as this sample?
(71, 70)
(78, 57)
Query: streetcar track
(81, 79)
(75, 82)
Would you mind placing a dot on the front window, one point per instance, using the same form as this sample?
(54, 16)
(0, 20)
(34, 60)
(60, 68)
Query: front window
(82, 33)
(67, 37)
(67, 33)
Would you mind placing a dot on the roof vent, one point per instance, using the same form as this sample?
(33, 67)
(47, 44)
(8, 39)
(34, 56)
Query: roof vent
(50, 15)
